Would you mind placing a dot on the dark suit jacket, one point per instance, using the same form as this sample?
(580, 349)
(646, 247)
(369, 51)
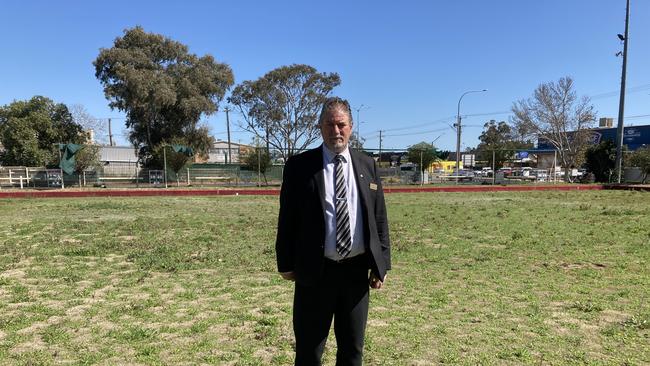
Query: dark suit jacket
(300, 242)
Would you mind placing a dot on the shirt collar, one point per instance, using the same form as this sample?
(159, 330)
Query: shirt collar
(328, 155)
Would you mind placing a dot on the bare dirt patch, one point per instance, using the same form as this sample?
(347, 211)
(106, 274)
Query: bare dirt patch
(570, 266)
(14, 274)
(265, 354)
(613, 317)
(35, 344)
(70, 240)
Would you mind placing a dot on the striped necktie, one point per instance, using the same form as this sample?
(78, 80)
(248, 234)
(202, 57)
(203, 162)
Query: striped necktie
(343, 236)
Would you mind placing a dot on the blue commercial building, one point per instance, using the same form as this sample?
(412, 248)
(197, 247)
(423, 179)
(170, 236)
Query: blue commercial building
(633, 136)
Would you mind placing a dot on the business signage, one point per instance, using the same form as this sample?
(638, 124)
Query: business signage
(633, 136)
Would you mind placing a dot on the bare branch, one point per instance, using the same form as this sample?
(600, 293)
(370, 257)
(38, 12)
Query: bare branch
(555, 115)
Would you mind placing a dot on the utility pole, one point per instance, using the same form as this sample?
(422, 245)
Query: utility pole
(61, 169)
(259, 167)
(494, 166)
(458, 130)
(228, 158)
(110, 134)
(421, 169)
(621, 104)
(458, 133)
(359, 123)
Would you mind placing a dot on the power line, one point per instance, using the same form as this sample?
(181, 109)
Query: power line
(418, 132)
(425, 124)
(634, 117)
(634, 89)
(231, 131)
(487, 114)
(442, 120)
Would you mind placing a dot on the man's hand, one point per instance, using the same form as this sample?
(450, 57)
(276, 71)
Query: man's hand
(375, 282)
(289, 276)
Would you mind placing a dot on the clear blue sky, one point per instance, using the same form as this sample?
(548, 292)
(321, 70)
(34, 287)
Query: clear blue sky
(407, 61)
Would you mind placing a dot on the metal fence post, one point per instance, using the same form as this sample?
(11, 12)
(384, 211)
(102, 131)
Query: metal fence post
(259, 167)
(165, 164)
(494, 167)
(62, 180)
(554, 166)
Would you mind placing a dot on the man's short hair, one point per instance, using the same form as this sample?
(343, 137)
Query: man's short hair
(332, 103)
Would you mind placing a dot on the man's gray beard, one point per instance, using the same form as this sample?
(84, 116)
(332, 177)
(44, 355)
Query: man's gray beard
(339, 148)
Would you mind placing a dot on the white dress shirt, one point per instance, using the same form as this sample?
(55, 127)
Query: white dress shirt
(354, 204)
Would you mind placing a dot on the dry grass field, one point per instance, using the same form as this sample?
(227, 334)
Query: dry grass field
(539, 278)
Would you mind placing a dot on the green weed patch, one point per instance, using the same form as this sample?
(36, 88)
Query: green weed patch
(532, 278)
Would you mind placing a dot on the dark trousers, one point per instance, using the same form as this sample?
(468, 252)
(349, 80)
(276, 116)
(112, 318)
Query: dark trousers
(342, 294)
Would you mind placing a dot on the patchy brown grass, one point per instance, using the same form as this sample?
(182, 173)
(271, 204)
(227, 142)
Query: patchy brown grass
(498, 278)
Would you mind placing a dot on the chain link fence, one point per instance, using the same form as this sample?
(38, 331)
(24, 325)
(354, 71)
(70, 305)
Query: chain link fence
(131, 176)
(502, 167)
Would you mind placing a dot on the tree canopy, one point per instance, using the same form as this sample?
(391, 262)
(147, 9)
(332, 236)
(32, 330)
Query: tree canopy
(641, 159)
(599, 160)
(498, 142)
(422, 154)
(163, 89)
(30, 131)
(258, 160)
(176, 153)
(555, 114)
(443, 154)
(87, 158)
(281, 108)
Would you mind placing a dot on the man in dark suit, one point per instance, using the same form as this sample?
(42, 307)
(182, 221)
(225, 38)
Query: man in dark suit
(332, 239)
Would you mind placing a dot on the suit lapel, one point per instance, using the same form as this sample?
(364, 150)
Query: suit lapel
(363, 180)
(318, 177)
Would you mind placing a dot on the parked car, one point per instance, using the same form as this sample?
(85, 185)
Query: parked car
(540, 174)
(506, 171)
(463, 173)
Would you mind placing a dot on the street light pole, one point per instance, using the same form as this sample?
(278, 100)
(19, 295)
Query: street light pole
(359, 123)
(621, 103)
(229, 158)
(458, 130)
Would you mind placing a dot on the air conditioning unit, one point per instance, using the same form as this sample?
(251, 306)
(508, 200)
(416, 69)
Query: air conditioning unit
(606, 122)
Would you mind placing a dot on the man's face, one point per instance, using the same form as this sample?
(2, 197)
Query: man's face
(336, 129)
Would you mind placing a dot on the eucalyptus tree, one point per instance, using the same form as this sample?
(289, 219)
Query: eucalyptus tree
(281, 108)
(162, 87)
(498, 143)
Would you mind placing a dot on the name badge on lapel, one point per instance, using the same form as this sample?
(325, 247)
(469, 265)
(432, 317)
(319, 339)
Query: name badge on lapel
(373, 186)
